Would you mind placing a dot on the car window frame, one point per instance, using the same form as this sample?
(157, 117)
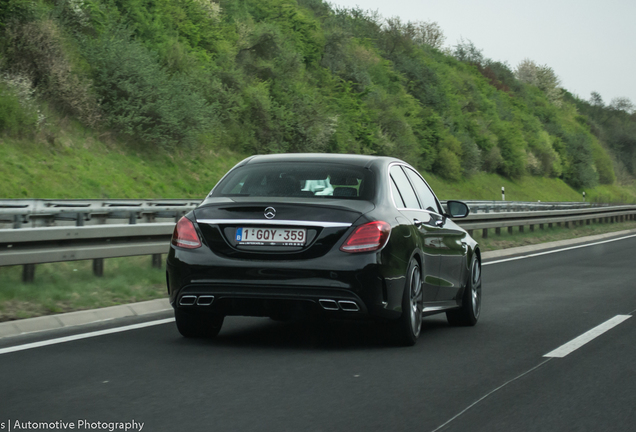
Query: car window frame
(437, 202)
(402, 166)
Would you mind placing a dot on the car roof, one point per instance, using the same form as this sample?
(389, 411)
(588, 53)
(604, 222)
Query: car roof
(350, 159)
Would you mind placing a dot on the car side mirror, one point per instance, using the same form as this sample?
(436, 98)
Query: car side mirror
(457, 209)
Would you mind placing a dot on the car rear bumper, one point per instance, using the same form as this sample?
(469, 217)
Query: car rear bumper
(266, 288)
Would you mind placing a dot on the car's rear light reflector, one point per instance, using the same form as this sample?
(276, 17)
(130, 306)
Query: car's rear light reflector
(185, 235)
(371, 236)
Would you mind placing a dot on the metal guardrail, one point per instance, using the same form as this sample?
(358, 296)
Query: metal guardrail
(530, 219)
(63, 238)
(16, 213)
(25, 213)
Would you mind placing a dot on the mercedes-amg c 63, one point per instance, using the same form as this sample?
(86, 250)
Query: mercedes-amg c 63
(344, 236)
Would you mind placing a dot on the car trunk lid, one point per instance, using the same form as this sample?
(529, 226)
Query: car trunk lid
(276, 229)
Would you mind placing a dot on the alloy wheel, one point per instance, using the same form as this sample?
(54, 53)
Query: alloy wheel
(416, 300)
(476, 288)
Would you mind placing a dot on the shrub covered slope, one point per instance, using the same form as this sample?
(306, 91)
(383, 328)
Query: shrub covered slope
(195, 78)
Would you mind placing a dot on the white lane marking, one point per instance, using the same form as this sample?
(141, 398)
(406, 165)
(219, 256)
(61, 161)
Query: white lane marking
(83, 336)
(556, 250)
(586, 337)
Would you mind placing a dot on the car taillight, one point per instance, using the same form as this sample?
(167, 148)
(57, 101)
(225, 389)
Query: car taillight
(371, 236)
(185, 235)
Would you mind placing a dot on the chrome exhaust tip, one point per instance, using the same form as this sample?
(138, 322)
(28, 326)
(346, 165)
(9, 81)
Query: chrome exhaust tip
(188, 300)
(328, 304)
(349, 306)
(205, 300)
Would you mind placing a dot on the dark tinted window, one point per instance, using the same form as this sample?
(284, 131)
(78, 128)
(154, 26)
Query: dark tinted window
(427, 199)
(403, 185)
(298, 179)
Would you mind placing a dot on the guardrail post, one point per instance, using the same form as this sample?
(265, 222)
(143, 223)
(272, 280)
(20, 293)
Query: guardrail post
(520, 228)
(17, 223)
(549, 225)
(498, 231)
(79, 220)
(98, 267)
(470, 232)
(132, 219)
(587, 222)
(531, 228)
(509, 230)
(28, 273)
(541, 226)
(567, 224)
(484, 233)
(156, 261)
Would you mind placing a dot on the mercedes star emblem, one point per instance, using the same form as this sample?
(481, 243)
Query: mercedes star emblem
(270, 213)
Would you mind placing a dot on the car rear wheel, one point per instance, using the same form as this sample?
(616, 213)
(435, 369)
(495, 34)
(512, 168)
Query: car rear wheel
(201, 325)
(407, 327)
(469, 312)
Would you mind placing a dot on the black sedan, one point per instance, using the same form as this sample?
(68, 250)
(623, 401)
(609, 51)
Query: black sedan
(343, 236)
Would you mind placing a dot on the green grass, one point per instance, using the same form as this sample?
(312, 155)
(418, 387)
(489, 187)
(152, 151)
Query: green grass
(78, 166)
(70, 286)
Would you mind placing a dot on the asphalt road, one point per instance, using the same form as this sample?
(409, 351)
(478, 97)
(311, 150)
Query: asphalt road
(259, 375)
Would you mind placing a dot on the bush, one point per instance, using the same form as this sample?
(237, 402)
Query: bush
(603, 165)
(471, 155)
(16, 119)
(448, 163)
(139, 98)
(581, 171)
(37, 50)
(492, 160)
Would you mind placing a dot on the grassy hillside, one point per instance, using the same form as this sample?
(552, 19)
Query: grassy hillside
(140, 98)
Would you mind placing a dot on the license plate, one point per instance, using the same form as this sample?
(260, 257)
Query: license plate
(271, 236)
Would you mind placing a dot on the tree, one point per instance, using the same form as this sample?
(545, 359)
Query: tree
(541, 76)
(622, 104)
(467, 52)
(428, 33)
(596, 100)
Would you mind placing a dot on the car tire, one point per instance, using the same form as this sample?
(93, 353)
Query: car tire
(468, 313)
(407, 328)
(198, 325)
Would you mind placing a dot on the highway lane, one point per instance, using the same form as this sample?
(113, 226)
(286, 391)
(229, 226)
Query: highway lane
(267, 376)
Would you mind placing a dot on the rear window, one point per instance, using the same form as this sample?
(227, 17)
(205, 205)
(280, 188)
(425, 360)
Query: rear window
(297, 179)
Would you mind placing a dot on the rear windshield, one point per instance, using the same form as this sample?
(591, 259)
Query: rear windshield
(297, 179)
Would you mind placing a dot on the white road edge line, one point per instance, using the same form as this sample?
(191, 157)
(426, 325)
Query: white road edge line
(586, 337)
(557, 250)
(83, 336)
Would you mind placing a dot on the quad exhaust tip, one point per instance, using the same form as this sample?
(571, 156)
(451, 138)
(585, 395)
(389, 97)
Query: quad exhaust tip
(191, 300)
(333, 305)
(349, 306)
(328, 304)
(205, 300)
